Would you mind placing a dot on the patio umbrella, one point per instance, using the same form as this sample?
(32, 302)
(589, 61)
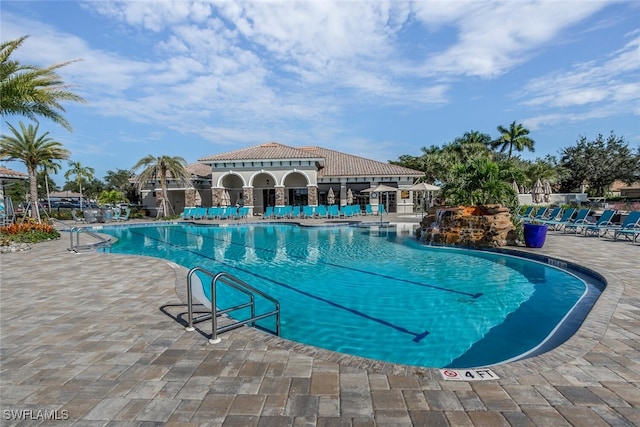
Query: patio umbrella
(331, 197)
(537, 192)
(514, 185)
(381, 188)
(349, 197)
(547, 191)
(198, 200)
(226, 199)
(424, 188)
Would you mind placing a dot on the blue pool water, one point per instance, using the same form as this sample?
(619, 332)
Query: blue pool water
(374, 293)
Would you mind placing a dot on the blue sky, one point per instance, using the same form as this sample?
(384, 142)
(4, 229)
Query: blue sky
(371, 78)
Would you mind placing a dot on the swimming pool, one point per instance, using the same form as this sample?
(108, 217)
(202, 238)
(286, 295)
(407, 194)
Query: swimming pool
(375, 293)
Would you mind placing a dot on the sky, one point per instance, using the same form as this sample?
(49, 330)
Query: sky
(378, 79)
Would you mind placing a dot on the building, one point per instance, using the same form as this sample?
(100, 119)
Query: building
(274, 174)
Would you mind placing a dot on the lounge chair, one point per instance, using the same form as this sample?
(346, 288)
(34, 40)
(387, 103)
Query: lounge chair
(125, 217)
(381, 210)
(556, 224)
(537, 216)
(321, 211)
(368, 210)
(268, 213)
(307, 211)
(90, 216)
(295, 213)
(76, 218)
(116, 214)
(604, 220)
(629, 233)
(333, 211)
(526, 213)
(580, 219)
(631, 223)
(555, 214)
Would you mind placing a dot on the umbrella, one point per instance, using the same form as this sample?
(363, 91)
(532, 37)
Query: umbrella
(423, 186)
(226, 199)
(349, 197)
(381, 188)
(537, 192)
(514, 185)
(331, 197)
(547, 191)
(198, 199)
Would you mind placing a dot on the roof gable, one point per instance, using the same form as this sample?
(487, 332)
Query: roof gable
(266, 151)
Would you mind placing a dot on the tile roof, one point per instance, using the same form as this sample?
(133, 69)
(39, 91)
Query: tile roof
(342, 164)
(335, 162)
(199, 169)
(267, 151)
(11, 174)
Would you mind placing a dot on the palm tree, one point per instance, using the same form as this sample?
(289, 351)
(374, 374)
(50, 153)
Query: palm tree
(31, 91)
(33, 151)
(157, 168)
(513, 138)
(81, 174)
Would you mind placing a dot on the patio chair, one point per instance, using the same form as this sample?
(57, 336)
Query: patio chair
(556, 224)
(321, 211)
(125, 217)
(538, 215)
(368, 210)
(333, 211)
(76, 218)
(631, 222)
(295, 213)
(574, 224)
(604, 220)
(90, 216)
(268, 213)
(307, 211)
(526, 213)
(629, 233)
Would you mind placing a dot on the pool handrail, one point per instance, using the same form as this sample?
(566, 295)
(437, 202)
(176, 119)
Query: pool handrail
(195, 288)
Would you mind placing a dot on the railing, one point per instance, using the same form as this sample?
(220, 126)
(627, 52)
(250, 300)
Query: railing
(101, 243)
(235, 283)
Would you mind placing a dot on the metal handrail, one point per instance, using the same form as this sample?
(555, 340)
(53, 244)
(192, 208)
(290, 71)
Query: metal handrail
(237, 284)
(102, 242)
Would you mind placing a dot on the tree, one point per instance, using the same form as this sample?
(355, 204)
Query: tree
(120, 180)
(513, 138)
(110, 197)
(81, 174)
(43, 178)
(158, 168)
(598, 163)
(481, 181)
(31, 91)
(33, 151)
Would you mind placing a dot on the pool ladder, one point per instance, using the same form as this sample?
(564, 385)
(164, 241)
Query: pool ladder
(75, 246)
(232, 282)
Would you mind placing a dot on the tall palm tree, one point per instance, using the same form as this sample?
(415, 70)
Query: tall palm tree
(513, 138)
(81, 173)
(33, 151)
(157, 168)
(31, 91)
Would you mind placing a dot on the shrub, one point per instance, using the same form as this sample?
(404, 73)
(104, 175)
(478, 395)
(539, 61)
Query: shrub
(27, 232)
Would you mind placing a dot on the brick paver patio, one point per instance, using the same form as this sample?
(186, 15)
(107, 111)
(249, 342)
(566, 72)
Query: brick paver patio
(90, 339)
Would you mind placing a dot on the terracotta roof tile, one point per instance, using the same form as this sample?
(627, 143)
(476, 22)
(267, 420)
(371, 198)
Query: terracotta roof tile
(10, 173)
(199, 169)
(267, 151)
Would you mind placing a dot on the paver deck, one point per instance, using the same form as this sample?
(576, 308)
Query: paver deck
(91, 339)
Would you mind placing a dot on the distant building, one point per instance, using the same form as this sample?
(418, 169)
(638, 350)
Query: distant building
(274, 174)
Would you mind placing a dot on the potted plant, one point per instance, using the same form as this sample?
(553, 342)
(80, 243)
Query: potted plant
(535, 234)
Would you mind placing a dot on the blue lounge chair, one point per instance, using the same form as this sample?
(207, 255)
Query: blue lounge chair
(321, 211)
(579, 220)
(537, 216)
(296, 212)
(631, 223)
(604, 220)
(333, 211)
(307, 211)
(125, 217)
(368, 210)
(556, 224)
(526, 213)
(268, 213)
